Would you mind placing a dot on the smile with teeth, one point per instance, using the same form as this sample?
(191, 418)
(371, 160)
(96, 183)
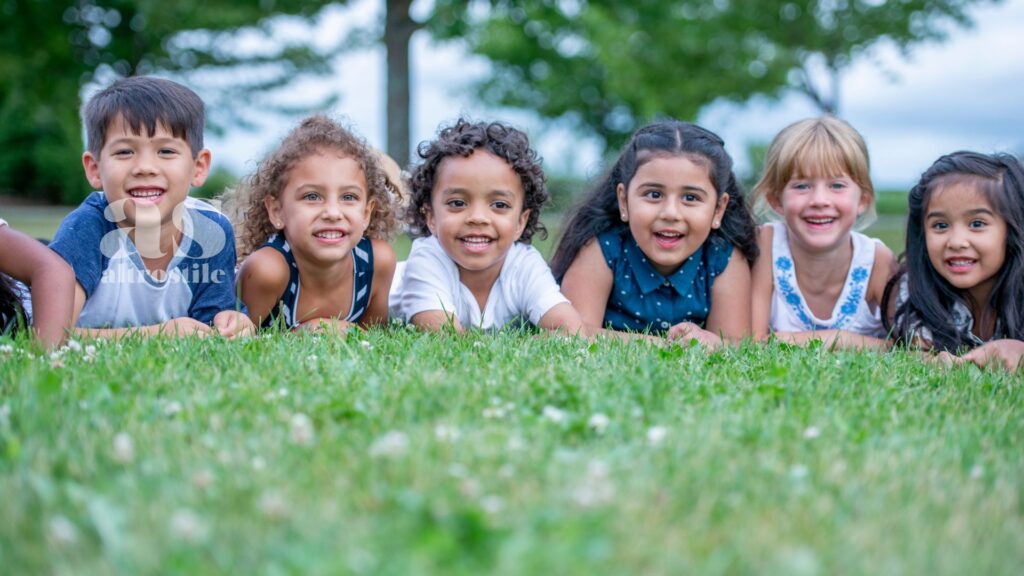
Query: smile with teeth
(145, 193)
(820, 221)
(960, 264)
(667, 238)
(330, 234)
(476, 243)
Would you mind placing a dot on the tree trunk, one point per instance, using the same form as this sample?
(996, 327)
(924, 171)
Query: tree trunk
(398, 30)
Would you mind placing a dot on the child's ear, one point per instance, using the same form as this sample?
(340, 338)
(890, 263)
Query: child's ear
(620, 193)
(523, 219)
(273, 206)
(429, 215)
(723, 203)
(92, 170)
(865, 202)
(202, 169)
(774, 202)
(371, 204)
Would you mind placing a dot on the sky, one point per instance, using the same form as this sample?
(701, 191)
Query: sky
(964, 93)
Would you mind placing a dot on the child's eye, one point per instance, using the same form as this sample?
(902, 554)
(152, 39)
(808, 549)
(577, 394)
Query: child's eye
(653, 194)
(455, 203)
(939, 226)
(691, 198)
(123, 152)
(501, 205)
(838, 185)
(350, 198)
(311, 196)
(977, 224)
(167, 151)
(800, 186)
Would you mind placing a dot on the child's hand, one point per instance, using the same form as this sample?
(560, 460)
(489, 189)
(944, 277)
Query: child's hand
(1006, 353)
(231, 324)
(325, 326)
(689, 330)
(184, 326)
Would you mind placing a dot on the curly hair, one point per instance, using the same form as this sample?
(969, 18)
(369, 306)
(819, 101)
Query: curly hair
(598, 210)
(462, 139)
(245, 205)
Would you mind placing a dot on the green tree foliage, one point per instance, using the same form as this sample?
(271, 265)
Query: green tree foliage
(610, 65)
(51, 49)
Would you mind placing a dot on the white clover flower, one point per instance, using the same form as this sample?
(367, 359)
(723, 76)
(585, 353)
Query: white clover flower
(492, 504)
(598, 422)
(173, 408)
(552, 414)
(61, 531)
(394, 443)
(811, 433)
(977, 471)
(516, 443)
(258, 463)
(478, 344)
(445, 433)
(366, 344)
(282, 392)
(302, 429)
(124, 448)
(186, 525)
(73, 345)
(273, 505)
(6, 349)
(595, 488)
(202, 479)
(656, 434)
(494, 412)
(798, 472)
(312, 358)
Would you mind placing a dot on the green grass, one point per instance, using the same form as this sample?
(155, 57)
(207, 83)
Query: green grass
(474, 455)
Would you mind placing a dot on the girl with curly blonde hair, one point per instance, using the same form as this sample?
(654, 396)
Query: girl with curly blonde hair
(318, 213)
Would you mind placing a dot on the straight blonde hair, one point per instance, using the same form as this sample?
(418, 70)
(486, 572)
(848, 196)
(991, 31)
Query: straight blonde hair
(815, 147)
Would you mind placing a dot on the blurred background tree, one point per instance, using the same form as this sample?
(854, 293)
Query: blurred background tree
(612, 65)
(51, 49)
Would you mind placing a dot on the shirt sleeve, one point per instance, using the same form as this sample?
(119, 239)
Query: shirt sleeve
(426, 285)
(79, 240)
(213, 281)
(536, 291)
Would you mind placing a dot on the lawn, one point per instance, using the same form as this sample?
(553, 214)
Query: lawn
(393, 452)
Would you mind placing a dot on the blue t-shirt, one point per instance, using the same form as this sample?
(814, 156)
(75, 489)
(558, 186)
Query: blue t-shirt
(643, 299)
(199, 281)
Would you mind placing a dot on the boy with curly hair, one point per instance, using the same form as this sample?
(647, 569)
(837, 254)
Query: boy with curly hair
(475, 206)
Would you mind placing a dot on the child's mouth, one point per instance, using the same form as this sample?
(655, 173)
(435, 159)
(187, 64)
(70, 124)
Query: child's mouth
(330, 236)
(475, 243)
(960, 265)
(667, 239)
(819, 223)
(146, 195)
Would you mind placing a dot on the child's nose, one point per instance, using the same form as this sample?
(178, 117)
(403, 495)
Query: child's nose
(670, 210)
(478, 214)
(819, 195)
(144, 164)
(332, 210)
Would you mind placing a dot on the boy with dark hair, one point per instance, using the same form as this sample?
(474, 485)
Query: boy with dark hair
(146, 257)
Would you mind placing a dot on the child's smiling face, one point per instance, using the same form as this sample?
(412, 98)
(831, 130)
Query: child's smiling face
(324, 208)
(966, 238)
(671, 206)
(149, 175)
(820, 211)
(476, 213)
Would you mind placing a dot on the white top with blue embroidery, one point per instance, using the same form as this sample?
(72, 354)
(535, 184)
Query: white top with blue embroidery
(790, 312)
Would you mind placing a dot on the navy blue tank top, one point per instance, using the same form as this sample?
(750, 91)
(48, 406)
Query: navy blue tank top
(362, 263)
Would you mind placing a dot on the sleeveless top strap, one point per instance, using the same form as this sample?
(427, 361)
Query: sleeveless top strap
(362, 281)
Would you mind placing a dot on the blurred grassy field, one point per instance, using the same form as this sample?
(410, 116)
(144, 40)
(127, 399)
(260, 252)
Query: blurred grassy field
(42, 222)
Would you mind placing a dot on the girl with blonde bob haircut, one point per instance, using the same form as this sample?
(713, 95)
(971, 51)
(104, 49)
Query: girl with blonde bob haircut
(818, 278)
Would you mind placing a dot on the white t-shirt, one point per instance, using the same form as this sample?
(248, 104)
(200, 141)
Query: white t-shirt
(429, 280)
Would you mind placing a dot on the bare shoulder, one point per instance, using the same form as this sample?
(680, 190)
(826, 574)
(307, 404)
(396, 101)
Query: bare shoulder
(590, 254)
(384, 257)
(765, 235)
(884, 268)
(264, 269)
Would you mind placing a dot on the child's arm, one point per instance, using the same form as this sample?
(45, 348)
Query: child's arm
(835, 338)
(50, 279)
(587, 284)
(383, 273)
(729, 317)
(262, 280)
(882, 271)
(762, 285)
(1006, 353)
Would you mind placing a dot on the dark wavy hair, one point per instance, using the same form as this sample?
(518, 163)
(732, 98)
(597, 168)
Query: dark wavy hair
(599, 209)
(462, 139)
(1000, 178)
(10, 306)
